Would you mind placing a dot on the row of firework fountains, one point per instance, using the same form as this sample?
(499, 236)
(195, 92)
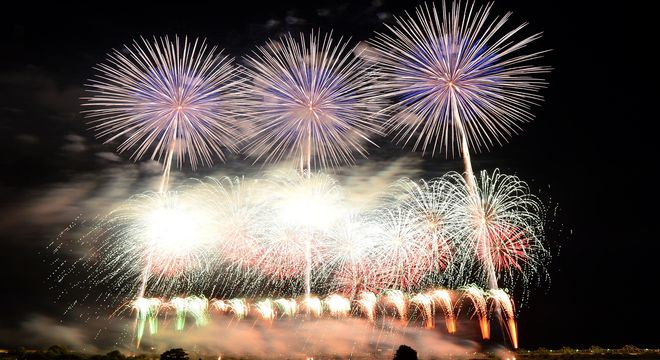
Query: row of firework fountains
(440, 81)
(368, 305)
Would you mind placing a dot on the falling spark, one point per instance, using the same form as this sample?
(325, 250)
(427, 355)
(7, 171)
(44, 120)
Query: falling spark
(505, 303)
(443, 298)
(425, 302)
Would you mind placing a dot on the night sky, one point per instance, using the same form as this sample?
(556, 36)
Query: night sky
(589, 152)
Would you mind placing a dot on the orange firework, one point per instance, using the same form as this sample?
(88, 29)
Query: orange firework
(502, 300)
(443, 298)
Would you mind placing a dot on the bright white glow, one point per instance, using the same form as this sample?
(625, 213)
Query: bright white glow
(173, 231)
(305, 208)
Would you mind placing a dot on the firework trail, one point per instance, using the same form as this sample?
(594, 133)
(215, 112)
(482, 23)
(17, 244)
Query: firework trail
(443, 299)
(502, 231)
(180, 306)
(504, 302)
(425, 302)
(165, 99)
(338, 306)
(311, 100)
(457, 78)
(478, 299)
(367, 301)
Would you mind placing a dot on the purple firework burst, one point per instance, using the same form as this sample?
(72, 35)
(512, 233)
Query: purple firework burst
(456, 77)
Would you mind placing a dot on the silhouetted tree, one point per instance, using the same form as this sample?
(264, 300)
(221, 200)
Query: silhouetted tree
(115, 355)
(56, 350)
(405, 352)
(174, 354)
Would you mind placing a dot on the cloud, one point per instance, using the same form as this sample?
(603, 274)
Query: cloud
(252, 337)
(31, 88)
(44, 331)
(300, 338)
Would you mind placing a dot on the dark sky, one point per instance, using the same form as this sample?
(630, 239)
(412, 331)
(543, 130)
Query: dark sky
(589, 152)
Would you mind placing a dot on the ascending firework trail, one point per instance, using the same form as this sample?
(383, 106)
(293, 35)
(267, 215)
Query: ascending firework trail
(457, 80)
(312, 101)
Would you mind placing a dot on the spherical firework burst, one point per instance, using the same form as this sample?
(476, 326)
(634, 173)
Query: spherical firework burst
(348, 266)
(311, 100)
(404, 256)
(160, 242)
(167, 98)
(432, 205)
(242, 218)
(502, 232)
(456, 78)
(306, 206)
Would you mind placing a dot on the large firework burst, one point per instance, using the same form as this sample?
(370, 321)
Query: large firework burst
(502, 231)
(311, 100)
(457, 78)
(405, 256)
(159, 243)
(433, 206)
(167, 98)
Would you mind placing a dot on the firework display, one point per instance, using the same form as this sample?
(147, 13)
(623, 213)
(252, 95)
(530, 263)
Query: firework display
(369, 305)
(167, 98)
(311, 100)
(287, 244)
(456, 77)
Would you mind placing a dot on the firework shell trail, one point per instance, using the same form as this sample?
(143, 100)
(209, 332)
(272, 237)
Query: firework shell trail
(146, 312)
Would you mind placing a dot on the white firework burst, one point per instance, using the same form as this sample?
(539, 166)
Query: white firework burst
(502, 232)
(167, 98)
(312, 100)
